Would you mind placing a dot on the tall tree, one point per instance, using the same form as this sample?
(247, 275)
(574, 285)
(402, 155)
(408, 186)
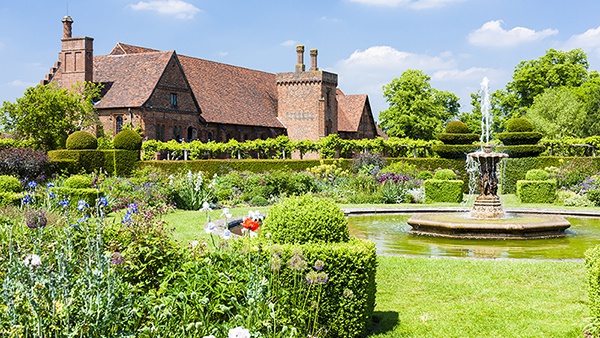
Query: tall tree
(558, 113)
(47, 114)
(416, 109)
(532, 77)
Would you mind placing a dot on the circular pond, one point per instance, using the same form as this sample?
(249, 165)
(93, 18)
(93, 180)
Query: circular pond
(391, 234)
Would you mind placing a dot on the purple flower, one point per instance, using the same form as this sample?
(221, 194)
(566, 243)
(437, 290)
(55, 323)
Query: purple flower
(35, 219)
(117, 258)
(64, 203)
(82, 205)
(32, 185)
(27, 199)
(50, 185)
(322, 277)
(133, 207)
(319, 265)
(102, 202)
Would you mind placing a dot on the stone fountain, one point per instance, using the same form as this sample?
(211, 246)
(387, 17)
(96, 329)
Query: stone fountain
(487, 218)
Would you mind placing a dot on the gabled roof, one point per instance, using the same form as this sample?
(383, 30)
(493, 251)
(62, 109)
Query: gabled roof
(123, 49)
(350, 110)
(129, 78)
(232, 95)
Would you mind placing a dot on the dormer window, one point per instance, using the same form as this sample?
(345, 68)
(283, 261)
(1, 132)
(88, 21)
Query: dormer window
(173, 100)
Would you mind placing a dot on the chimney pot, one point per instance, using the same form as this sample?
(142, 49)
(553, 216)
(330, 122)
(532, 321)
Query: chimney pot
(67, 27)
(300, 63)
(313, 59)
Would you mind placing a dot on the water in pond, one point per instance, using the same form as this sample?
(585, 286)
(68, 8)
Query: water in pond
(391, 236)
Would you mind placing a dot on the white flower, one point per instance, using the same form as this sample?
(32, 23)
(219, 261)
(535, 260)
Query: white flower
(226, 213)
(194, 244)
(255, 215)
(32, 260)
(206, 207)
(239, 332)
(226, 234)
(190, 176)
(171, 177)
(210, 227)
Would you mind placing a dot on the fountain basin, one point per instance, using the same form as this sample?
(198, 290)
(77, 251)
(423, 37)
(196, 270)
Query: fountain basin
(512, 226)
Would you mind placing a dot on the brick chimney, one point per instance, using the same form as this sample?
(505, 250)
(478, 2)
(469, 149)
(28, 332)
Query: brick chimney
(67, 27)
(76, 57)
(300, 63)
(313, 59)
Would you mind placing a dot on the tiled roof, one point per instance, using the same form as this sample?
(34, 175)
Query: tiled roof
(350, 110)
(232, 95)
(130, 79)
(123, 49)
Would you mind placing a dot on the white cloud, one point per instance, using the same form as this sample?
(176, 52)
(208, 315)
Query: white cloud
(413, 4)
(331, 20)
(588, 41)
(471, 74)
(21, 84)
(491, 34)
(179, 9)
(289, 43)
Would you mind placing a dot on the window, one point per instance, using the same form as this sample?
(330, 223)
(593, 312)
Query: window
(119, 124)
(209, 136)
(173, 100)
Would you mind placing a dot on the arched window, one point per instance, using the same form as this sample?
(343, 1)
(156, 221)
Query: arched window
(119, 124)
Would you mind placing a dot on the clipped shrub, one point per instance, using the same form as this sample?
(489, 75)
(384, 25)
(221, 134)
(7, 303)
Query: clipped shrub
(524, 150)
(81, 140)
(78, 182)
(306, 219)
(259, 201)
(515, 138)
(128, 140)
(592, 265)
(594, 196)
(10, 184)
(443, 190)
(537, 175)
(448, 138)
(444, 174)
(519, 125)
(456, 127)
(88, 160)
(10, 198)
(74, 195)
(401, 167)
(454, 151)
(424, 175)
(25, 163)
(536, 191)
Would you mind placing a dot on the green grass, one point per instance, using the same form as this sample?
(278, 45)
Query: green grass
(424, 297)
(432, 297)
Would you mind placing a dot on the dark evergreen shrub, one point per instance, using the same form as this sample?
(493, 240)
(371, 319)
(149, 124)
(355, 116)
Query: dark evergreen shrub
(449, 138)
(306, 219)
(457, 127)
(519, 125)
(24, 163)
(81, 140)
(128, 140)
(78, 182)
(537, 175)
(515, 138)
(10, 184)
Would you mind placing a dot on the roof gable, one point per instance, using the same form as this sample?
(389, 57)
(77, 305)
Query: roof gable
(131, 78)
(350, 111)
(124, 49)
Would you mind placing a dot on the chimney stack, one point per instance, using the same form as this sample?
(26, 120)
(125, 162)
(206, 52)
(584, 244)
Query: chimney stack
(67, 27)
(300, 63)
(313, 59)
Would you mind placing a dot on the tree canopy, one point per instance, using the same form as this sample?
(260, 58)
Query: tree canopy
(47, 114)
(416, 109)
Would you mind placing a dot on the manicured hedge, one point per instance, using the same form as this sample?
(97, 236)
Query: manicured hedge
(121, 162)
(449, 138)
(10, 198)
(454, 151)
(88, 160)
(114, 161)
(592, 264)
(536, 191)
(516, 138)
(524, 150)
(90, 195)
(443, 190)
(10, 184)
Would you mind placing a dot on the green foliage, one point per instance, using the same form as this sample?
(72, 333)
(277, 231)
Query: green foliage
(445, 190)
(10, 184)
(536, 191)
(120, 162)
(47, 114)
(458, 151)
(516, 138)
(425, 175)
(128, 140)
(416, 109)
(87, 160)
(519, 125)
(456, 127)
(401, 167)
(306, 219)
(444, 174)
(456, 138)
(78, 182)
(570, 198)
(74, 195)
(523, 150)
(366, 162)
(594, 196)
(558, 113)
(10, 198)
(81, 140)
(537, 175)
(191, 190)
(592, 264)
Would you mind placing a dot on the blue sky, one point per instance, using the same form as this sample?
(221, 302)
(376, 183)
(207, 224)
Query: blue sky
(366, 42)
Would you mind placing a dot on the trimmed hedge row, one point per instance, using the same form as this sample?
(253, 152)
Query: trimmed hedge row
(536, 191)
(454, 151)
(443, 190)
(114, 161)
(523, 150)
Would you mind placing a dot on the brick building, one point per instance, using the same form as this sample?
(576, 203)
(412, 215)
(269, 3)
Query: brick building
(172, 96)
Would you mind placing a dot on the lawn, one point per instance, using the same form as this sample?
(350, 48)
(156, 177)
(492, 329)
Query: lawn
(433, 297)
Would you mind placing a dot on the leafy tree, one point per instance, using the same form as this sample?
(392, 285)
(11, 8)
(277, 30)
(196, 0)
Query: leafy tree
(416, 109)
(558, 113)
(532, 77)
(47, 114)
(589, 94)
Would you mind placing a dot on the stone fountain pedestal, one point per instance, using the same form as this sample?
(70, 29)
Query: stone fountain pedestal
(487, 205)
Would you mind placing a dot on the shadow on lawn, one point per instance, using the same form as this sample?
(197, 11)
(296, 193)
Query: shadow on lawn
(384, 322)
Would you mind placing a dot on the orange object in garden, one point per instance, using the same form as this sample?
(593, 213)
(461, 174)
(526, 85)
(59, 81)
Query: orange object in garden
(250, 224)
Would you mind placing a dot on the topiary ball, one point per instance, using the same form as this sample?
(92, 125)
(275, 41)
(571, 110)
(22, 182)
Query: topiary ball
(81, 140)
(10, 184)
(306, 219)
(519, 125)
(128, 140)
(425, 175)
(537, 175)
(457, 127)
(444, 174)
(78, 182)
